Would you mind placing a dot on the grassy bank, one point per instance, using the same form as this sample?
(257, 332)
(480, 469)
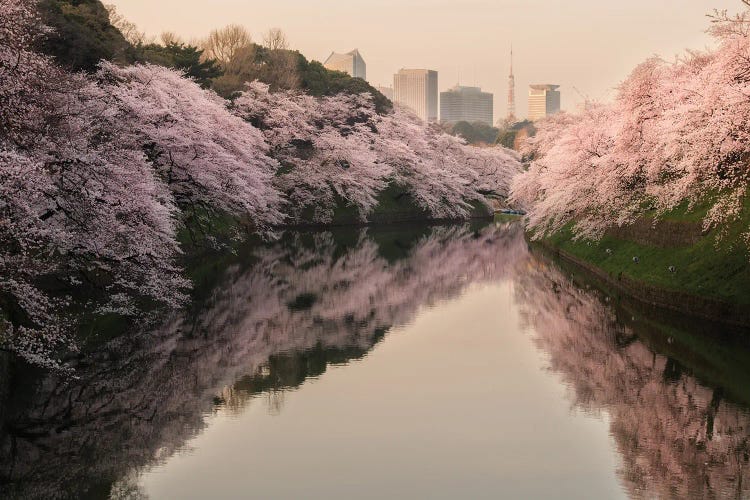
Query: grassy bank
(672, 253)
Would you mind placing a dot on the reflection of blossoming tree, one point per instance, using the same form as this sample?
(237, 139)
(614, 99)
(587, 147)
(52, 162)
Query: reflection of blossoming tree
(300, 307)
(677, 438)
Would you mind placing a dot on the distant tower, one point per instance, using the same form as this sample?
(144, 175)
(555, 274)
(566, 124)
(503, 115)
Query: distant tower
(511, 90)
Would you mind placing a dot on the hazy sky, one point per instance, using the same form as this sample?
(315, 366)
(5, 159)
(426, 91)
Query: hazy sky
(588, 44)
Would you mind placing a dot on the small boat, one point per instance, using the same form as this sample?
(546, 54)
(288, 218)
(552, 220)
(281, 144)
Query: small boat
(510, 211)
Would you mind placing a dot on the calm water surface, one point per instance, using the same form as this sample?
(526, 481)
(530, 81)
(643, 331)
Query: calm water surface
(443, 362)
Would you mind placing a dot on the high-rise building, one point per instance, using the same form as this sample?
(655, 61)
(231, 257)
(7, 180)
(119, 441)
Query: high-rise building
(511, 91)
(544, 100)
(468, 104)
(351, 63)
(386, 91)
(418, 90)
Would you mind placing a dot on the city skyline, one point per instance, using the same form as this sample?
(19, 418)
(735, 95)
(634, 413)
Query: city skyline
(550, 44)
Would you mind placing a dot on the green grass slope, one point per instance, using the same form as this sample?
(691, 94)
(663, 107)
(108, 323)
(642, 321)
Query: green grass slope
(711, 264)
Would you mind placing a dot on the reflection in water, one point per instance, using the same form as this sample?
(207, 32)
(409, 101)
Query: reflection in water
(676, 403)
(304, 303)
(677, 437)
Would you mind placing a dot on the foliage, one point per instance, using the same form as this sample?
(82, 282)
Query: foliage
(186, 58)
(320, 81)
(510, 134)
(129, 30)
(86, 32)
(279, 68)
(82, 34)
(476, 132)
(222, 45)
(283, 69)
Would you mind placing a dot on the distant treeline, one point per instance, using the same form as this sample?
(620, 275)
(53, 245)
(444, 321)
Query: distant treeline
(87, 31)
(509, 133)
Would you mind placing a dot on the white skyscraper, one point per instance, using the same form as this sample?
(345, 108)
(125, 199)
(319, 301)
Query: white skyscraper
(544, 100)
(351, 62)
(418, 90)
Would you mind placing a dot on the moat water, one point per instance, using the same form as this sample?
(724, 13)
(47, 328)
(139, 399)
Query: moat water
(403, 362)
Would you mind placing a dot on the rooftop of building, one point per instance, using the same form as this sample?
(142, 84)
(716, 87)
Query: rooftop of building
(465, 89)
(337, 56)
(544, 86)
(415, 71)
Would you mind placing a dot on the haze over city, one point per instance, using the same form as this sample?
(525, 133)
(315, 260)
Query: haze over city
(585, 44)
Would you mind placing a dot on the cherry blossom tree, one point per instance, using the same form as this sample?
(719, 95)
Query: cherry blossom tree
(338, 148)
(96, 175)
(676, 132)
(209, 158)
(324, 148)
(78, 202)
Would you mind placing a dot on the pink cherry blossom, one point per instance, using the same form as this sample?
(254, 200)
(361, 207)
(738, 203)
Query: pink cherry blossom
(676, 132)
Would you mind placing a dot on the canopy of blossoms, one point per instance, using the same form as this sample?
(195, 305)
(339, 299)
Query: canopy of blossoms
(676, 132)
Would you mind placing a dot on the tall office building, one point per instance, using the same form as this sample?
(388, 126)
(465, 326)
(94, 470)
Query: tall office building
(418, 90)
(511, 91)
(544, 100)
(468, 104)
(351, 63)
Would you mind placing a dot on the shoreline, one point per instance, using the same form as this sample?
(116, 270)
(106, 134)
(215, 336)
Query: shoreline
(694, 306)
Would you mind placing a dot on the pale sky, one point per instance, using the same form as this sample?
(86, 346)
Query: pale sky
(588, 44)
